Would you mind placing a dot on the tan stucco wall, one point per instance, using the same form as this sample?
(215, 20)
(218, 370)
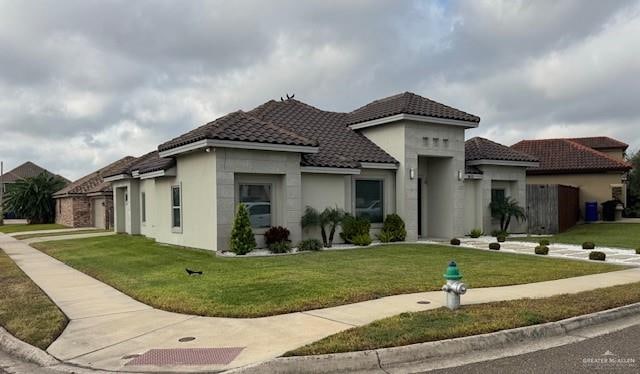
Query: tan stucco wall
(593, 187)
(618, 154)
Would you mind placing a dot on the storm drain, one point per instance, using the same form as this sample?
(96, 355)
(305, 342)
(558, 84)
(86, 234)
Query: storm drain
(187, 356)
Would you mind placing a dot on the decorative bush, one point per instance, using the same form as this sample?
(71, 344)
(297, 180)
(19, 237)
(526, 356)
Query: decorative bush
(588, 245)
(354, 226)
(501, 238)
(310, 245)
(361, 239)
(544, 242)
(393, 226)
(276, 234)
(494, 246)
(455, 241)
(329, 220)
(542, 250)
(242, 239)
(596, 255)
(385, 237)
(475, 233)
(280, 247)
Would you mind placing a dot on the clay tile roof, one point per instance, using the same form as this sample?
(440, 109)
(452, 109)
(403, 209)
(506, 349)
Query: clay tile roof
(94, 182)
(601, 142)
(340, 146)
(560, 156)
(27, 170)
(407, 103)
(484, 149)
(240, 126)
(152, 162)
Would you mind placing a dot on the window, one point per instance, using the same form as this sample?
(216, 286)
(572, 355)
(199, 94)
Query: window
(143, 205)
(369, 202)
(497, 194)
(176, 207)
(257, 198)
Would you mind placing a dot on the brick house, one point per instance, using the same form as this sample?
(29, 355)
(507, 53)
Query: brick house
(88, 202)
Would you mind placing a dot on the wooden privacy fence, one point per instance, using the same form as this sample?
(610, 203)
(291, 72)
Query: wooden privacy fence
(552, 208)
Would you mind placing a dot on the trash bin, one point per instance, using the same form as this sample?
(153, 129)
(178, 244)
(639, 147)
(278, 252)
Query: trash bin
(609, 210)
(591, 211)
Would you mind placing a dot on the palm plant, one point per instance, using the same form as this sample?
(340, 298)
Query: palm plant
(505, 209)
(329, 219)
(32, 198)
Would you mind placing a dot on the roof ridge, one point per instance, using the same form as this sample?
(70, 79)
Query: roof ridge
(594, 152)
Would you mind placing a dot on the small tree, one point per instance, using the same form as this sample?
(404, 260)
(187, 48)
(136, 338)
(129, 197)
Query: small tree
(633, 183)
(242, 239)
(505, 209)
(32, 198)
(330, 218)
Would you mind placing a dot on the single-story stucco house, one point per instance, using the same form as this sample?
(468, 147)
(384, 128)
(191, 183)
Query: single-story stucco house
(595, 165)
(403, 154)
(88, 201)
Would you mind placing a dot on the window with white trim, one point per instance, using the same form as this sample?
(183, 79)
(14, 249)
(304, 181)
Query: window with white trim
(369, 200)
(257, 197)
(143, 206)
(176, 207)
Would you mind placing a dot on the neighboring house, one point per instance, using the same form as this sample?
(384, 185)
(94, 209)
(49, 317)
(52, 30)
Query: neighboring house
(404, 154)
(88, 202)
(595, 165)
(26, 170)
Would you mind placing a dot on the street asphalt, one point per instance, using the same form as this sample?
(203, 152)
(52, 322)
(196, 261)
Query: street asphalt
(618, 352)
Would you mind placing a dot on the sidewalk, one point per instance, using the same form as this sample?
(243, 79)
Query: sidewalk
(107, 327)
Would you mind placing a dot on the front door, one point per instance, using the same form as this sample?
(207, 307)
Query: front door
(419, 207)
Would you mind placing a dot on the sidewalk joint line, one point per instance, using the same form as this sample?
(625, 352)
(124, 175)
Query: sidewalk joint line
(113, 313)
(328, 319)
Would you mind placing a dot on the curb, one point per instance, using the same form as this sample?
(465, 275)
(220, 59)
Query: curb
(386, 358)
(16, 347)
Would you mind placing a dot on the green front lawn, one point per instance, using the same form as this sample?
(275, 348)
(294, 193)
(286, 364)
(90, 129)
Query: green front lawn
(25, 310)
(441, 323)
(251, 287)
(623, 235)
(8, 229)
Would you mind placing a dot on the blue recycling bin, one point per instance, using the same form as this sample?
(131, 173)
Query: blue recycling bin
(591, 211)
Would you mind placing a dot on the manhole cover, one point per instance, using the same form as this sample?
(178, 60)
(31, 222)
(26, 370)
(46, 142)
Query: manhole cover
(186, 339)
(424, 302)
(129, 357)
(187, 356)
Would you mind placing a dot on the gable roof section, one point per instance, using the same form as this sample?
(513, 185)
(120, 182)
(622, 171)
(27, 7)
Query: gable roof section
(146, 163)
(566, 156)
(340, 146)
(27, 170)
(601, 142)
(407, 103)
(239, 126)
(476, 149)
(94, 182)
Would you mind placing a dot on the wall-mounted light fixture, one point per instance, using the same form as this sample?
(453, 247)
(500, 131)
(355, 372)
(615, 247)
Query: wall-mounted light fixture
(208, 149)
(460, 175)
(412, 173)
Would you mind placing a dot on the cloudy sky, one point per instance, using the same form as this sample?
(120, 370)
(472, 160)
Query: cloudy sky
(83, 83)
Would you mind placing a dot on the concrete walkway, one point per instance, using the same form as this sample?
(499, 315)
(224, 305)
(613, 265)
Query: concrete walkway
(52, 231)
(107, 327)
(66, 237)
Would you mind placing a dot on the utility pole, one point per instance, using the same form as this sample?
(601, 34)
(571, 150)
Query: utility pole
(1, 193)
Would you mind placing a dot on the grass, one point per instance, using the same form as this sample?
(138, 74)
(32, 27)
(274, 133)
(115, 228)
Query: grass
(9, 229)
(44, 235)
(251, 287)
(622, 235)
(441, 323)
(25, 310)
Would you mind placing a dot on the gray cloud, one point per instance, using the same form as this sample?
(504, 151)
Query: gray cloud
(85, 82)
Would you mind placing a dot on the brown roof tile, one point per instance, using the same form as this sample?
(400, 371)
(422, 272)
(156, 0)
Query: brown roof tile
(94, 182)
(559, 156)
(484, 149)
(407, 103)
(601, 142)
(27, 170)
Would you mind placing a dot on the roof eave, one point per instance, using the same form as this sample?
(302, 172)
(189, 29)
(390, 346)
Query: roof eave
(214, 143)
(414, 117)
(575, 171)
(527, 164)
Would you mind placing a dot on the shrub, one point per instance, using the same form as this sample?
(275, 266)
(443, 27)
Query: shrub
(588, 245)
(393, 226)
(310, 245)
(542, 250)
(498, 233)
(242, 239)
(276, 234)
(638, 251)
(354, 226)
(329, 219)
(501, 238)
(280, 247)
(384, 237)
(544, 242)
(361, 239)
(455, 241)
(596, 255)
(494, 246)
(475, 233)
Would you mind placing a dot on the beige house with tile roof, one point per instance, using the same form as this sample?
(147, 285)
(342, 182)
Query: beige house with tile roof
(403, 154)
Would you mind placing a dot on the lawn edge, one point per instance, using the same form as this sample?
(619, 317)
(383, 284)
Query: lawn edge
(18, 348)
(385, 358)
